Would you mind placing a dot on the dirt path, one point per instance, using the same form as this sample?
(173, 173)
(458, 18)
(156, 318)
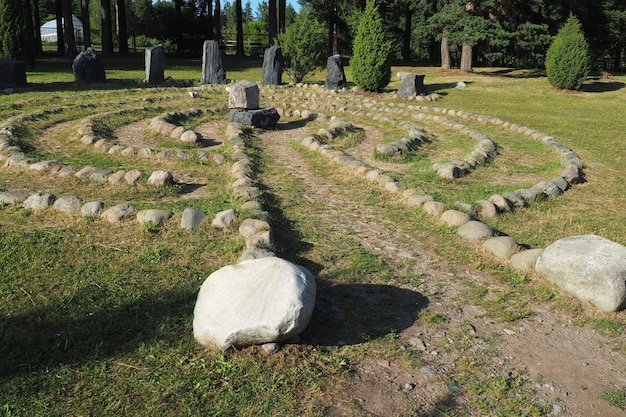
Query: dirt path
(566, 367)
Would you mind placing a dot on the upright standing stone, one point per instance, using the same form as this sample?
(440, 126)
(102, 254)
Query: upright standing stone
(335, 76)
(412, 85)
(12, 73)
(87, 67)
(155, 64)
(212, 69)
(273, 66)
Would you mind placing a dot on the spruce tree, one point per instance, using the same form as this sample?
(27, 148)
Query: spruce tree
(567, 60)
(371, 51)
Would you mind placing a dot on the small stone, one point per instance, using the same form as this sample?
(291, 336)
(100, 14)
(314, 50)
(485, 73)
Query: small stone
(38, 201)
(189, 136)
(132, 176)
(91, 209)
(502, 246)
(67, 204)
(192, 218)
(434, 208)
(154, 217)
(224, 219)
(454, 218)
(161, 178)
(475, 230)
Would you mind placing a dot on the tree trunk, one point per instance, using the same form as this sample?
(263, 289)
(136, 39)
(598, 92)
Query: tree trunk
(30, 50)
(272, 23)
(68, 30)
(209, 17)
(38, 47)
(217, 22)
(58, 8)
(445, 52)
(406, 35)
(333, 39)
(282, 6)
(239, 17)
(84, 14)
(122, 27)
(466, 58)
(107, 31)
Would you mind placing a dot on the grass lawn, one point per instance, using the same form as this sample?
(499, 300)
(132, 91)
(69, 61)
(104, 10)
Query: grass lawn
(96, 320)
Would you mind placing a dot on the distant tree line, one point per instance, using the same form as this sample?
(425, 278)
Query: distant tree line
(449, 33)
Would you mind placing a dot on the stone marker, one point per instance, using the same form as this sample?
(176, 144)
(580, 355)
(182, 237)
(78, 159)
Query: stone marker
(335, 76)
(589, 267)
(212, 69)
(412, 85)
(12, 73)
(273, 66)
(87, 67)
(256, 301)
(244, 95)
(155, 64)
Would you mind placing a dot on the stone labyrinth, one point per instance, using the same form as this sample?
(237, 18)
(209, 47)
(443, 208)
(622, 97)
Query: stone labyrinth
(160, 140)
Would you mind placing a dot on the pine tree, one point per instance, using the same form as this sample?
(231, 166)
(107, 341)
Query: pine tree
(11, 30)
(567, 60)
(371, 51)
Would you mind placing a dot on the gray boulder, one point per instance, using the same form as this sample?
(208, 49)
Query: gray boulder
(589, 267)
(191, 218)
(67, 204)
(87, 67)
(224, 219)
(38, 201)
(273, 66)
(91, 209)
(257, 118)
(244, 95)
(256, 301)
(12, 197)
(153, 216)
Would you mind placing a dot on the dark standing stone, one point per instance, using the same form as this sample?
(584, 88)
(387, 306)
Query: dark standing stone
(155, 64)
(257, 118)
(412, 86)
(212, 69)
(335, 76)
(273, 66)
(12, 73)
(87, 67)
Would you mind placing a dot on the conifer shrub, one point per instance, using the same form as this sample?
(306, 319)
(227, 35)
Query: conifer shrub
(11, 30)
(371, 51)
(303, 46)
(567, 60)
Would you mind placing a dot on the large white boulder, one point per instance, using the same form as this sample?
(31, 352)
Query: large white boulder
(256, 301)
(589, 267)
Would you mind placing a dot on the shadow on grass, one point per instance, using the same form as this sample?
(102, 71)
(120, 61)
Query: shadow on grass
(43, 339)
(602, 86)
(349, 314)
